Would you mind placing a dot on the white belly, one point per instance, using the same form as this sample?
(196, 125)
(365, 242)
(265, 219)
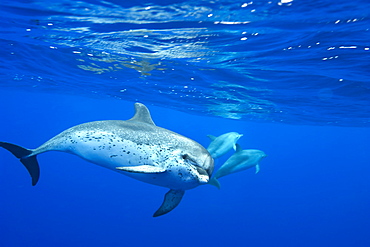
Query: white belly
(110, 152)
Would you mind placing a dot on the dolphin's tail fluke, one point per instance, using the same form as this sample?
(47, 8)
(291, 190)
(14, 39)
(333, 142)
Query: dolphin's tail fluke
(30, 162)
(213, 181)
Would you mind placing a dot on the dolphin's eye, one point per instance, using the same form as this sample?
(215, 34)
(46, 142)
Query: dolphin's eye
(189, 159)
(185, 156)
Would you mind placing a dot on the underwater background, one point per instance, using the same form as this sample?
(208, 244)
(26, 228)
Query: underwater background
(292, 76)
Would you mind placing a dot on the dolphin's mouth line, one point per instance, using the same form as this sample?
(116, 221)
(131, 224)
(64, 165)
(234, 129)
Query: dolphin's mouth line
(200, 170)
(201, 174)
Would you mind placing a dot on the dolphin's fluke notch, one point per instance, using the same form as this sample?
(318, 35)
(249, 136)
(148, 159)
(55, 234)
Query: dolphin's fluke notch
(171, 200)
(30, 163)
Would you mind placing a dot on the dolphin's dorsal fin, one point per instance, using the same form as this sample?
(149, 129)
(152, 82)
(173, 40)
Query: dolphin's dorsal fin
(212, 137)
(171, 200)
(142, 114)
(238, 148)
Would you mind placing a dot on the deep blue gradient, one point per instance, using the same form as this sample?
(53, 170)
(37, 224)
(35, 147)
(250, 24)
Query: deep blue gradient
(312, 190)
(293, 77)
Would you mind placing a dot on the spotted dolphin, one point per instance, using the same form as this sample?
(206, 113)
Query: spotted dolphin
(239, 161)
(136, 148)
(222, 144)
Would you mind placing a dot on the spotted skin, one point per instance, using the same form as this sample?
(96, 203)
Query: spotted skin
(136, 148)
(111, 144)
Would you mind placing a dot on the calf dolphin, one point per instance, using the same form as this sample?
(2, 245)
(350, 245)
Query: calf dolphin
(222, 144)
(239, 161)
(136, 148)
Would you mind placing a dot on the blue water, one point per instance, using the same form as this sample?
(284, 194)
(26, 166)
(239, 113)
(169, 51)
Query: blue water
(292, 76)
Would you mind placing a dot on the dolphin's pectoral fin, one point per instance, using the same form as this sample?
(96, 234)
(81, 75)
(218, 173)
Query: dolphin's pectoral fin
(141, 169)
(234, 147)
(29, 162)
(171, 200)
(257, 168)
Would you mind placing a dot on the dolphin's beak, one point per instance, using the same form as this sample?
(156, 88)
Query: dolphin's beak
(204, 172)
(208, 165)
(202, 175)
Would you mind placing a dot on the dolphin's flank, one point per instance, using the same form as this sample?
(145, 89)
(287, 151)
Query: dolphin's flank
(136, 148)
